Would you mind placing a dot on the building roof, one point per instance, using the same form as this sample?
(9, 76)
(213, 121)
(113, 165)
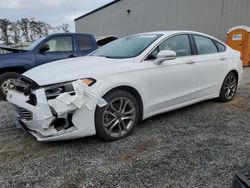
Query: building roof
(95, 10)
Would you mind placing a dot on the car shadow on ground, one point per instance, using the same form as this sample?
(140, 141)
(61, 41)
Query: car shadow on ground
(145, 124)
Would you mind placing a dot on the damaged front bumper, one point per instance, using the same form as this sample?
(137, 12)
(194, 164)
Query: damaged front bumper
(65, 117)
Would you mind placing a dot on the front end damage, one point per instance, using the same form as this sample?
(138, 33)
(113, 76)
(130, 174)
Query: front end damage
(54, 112)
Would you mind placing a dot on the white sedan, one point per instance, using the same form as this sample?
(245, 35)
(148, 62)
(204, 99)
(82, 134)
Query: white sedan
(126, 81)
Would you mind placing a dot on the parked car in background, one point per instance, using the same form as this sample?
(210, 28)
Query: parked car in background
(3, 51)
(123, 82)
(44, 50)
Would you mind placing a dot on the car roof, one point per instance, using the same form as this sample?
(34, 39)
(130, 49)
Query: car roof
(172, 32)
(59, 34)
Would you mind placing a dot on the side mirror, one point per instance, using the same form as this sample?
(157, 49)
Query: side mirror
(165, 55)
(44, 48)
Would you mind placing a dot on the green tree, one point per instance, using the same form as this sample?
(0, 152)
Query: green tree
(24, 26)
(4, 26)
(15, 32)
(45, 28)
(33, 29)
(27, 30)
(64, 27)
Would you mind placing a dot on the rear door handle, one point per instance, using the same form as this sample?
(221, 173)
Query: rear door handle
(223, 59)
(191, 62)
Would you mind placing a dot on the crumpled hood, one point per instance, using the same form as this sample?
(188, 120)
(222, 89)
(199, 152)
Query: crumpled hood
(76, 68)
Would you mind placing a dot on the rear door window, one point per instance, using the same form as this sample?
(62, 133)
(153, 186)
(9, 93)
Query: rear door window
(221, 47)
(205, 45)
(85, 43)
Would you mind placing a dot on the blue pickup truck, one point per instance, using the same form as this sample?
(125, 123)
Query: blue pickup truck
(44, 50)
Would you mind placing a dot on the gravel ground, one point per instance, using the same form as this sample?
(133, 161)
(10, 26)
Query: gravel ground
(197, 146)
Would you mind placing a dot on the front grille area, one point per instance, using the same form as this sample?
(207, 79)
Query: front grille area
(23, 113)
(25, 85)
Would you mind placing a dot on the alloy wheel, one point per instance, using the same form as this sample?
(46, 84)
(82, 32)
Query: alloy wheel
(119, 116)
(7, 85)
(230, 86)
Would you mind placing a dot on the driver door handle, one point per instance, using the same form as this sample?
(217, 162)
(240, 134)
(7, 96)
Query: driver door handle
(191, 62)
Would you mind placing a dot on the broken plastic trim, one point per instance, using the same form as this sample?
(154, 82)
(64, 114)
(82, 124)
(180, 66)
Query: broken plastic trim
(54, 90)
(63, 123)
(25, 85)
(65, 106)
(83, 95)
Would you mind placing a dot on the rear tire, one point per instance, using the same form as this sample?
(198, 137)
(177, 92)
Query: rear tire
(116, 120)
(229, 88)
(5, 80)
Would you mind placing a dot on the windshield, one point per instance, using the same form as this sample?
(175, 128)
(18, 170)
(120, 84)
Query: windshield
(34, 44)
(126, 47)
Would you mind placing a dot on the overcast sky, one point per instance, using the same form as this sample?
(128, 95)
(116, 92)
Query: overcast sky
(54, 12)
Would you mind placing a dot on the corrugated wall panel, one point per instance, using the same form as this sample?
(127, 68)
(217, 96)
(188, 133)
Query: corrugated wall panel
(214, 17)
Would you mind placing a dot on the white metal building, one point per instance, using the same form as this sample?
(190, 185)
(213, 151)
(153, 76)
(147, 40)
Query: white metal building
(123, 17)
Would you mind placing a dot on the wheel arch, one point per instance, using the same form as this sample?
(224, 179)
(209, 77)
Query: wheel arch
(19, 70)
(236, 73)
(224, 96)
(133, 92)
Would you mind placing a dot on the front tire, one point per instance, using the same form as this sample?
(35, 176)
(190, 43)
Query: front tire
(229, 88)
(5, 81)
(116, 120)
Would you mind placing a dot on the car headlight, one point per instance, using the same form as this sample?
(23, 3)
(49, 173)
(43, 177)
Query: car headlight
(88, 81)
(55, 90)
